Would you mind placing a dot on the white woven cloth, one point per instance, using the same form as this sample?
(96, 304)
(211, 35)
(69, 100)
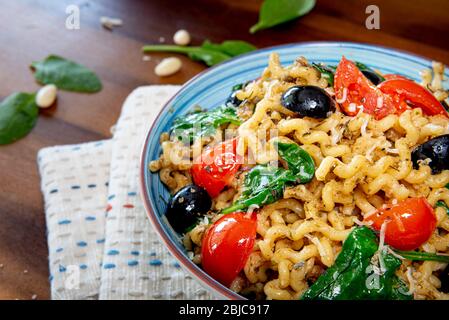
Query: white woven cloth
(101, 244)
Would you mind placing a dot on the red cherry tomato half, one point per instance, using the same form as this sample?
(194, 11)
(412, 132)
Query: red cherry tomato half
(410, 223)
(414, 94)
(394, 76)
(227, 246)
(216, 167)
(354, 89)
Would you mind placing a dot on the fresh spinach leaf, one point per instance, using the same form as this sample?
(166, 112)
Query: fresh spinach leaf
(327, 72)
(443, 204)
(298, 160)
(265, 184)
(66, 75)
(363, 67)
(209, 53)
(18, 115)
(353, 277)
(274, 12)
(422, 256)
(203, 123)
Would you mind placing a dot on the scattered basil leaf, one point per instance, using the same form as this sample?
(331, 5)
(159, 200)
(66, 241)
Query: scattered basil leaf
(274, 12)
(66, 75)
(265, 184)
(230, 47)
(209, 53)
(203, 123)
(18, 115)
(422, 256)
(352, 277)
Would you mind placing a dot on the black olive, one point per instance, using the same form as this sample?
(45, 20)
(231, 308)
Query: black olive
(308, 101)
(232, 99)
(444, 278)
(437, 150)
(187, 206)
(372, 76)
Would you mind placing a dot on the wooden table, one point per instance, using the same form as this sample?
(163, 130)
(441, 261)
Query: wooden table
(30, 30)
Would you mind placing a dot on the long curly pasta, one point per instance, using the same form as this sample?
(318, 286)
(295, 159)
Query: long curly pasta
(361, 164)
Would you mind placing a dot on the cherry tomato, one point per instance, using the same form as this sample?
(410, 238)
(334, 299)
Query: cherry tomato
(410, 223)
(414, 94)
(227, 245)
(216, 167)
(360, 91)
(390, 76)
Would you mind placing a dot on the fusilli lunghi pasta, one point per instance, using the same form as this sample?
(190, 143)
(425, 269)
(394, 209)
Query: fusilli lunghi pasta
(361, 164)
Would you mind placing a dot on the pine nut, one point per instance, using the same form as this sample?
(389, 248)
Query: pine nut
(181, 37)
(46, 96)
(168, 66)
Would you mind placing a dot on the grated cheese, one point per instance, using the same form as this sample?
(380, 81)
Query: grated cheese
(343, 98)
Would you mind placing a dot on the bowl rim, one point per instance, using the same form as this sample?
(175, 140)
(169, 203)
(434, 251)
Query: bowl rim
(206, 280)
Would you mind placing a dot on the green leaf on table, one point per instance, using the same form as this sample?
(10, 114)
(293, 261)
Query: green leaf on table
(203, 123)
(265, 184)
(230, 47)
(66, 75)
(18, 115)
(274, 12)
(354, 277)
(209, 53)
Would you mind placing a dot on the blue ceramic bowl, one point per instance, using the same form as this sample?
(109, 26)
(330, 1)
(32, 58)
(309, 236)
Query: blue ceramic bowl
(210, 88)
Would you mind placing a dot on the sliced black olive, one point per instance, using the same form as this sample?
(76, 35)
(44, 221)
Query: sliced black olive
(308, 101)
(372, 76)
(232, 99)
(187, 206)
(437, 150)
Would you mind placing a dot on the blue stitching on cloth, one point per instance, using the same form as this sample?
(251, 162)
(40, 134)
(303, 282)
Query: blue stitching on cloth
(155, 262)
(81, 244)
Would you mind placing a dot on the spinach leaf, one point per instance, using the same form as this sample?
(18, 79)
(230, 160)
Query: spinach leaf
(327, 72)
(353, 277)
(274, 12)
(299, 162)
(66, 75)
(18, 115)
(442, 204)
(265, 184)
(423, 256)
(363, 67)
(209, 53)
(203, 123)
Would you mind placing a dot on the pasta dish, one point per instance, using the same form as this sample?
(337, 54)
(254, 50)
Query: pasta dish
(316, 182)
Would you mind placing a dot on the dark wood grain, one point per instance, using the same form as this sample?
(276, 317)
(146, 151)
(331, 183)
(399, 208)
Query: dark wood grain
(30, 30)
